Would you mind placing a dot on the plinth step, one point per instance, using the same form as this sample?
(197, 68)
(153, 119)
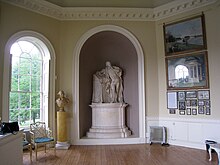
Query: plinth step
(104, 135)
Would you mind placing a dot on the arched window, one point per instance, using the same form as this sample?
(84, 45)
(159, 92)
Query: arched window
(181, 71)
(29, 79)
(26, 104)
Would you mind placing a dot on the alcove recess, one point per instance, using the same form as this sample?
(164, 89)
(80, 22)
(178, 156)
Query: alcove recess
(116, 48)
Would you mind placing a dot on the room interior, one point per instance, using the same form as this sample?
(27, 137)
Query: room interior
(81, 36)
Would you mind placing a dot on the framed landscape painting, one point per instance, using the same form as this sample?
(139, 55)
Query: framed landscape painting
(187, 71)
(185, 36)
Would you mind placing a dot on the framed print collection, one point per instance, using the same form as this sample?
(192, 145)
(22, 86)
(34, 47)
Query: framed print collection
(187, 71)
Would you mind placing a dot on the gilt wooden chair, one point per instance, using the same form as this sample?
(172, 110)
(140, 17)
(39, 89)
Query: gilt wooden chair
(27, 145)
(41, 136)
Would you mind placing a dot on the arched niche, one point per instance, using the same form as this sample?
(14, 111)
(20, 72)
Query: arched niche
(120, 47)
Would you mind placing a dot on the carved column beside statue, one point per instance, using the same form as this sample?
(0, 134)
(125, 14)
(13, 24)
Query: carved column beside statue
(62, 140)
(108, 107)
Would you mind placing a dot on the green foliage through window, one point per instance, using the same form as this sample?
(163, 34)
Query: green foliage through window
(26, 83)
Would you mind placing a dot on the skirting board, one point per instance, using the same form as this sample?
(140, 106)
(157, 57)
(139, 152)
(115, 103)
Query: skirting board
(186, 132)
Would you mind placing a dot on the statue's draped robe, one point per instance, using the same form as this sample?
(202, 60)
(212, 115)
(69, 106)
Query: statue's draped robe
(102, 81)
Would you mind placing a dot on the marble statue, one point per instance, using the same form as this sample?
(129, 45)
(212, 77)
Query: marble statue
(62, 100)
(107, 85)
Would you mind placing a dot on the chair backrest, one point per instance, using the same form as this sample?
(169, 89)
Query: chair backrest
(39, 129)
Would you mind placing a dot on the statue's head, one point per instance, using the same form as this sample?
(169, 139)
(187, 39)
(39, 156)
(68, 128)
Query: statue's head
(108, 63)
(60, 93)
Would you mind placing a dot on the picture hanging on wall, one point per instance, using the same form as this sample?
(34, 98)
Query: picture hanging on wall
(181, 96)
(172, 100)
(207, 103)
(191, 95)
(185, 36)
(207, 111)
(193, 103)
(172, 111)
(188, 111)
(188, 103)
(201, 103)
(200, 110)
(182, 105)
(203, 94)
(194, 111)
(187, 71)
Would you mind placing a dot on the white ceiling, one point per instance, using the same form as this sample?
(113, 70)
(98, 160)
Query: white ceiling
(111, 3)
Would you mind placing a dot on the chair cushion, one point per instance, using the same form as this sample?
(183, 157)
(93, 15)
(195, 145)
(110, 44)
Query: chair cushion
(25, 143)
(43, 140)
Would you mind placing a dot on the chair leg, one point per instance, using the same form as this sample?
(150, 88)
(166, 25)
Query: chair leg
(30, 148)
(35, 151)
(55, 148)
(45, 148)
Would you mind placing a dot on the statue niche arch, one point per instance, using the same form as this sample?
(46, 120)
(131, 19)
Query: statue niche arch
(95, 47)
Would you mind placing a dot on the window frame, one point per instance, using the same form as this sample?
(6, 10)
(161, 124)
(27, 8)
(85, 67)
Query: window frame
(49, 52)
(19, 91)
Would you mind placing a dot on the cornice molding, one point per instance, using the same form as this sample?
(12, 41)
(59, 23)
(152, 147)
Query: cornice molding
(99, 13)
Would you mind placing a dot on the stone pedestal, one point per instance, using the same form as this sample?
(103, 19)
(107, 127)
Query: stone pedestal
(62, 131)
(108, 121)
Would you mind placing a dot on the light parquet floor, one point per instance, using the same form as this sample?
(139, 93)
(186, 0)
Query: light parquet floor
(135, 154)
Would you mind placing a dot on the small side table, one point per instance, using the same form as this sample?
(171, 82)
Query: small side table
(215, 147)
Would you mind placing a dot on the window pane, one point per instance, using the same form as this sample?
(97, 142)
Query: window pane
(36, 67)
(25, 66)
(15, 65)
(35, 113)
(14, 82)
(24, 100)
(35, 100)
(35, 54)
(13, 115)
(24, 116)
(25, 55)
(15, 50)
(14, 99)
(26, 46)
(35, 84)
(24, 83)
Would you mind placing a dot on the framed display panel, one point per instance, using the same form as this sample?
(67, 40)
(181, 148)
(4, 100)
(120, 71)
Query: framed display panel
(172, 100)
(201, 103)
(191, 95)
(200, 110)
(203, 94)
(188, 111)
(182, 105)
(188, 103)
(181, 96)
(187, 72)
(194, 111)
(194, 103)
(172, 111)
(207, 103)
(207, 111)
(185, 36)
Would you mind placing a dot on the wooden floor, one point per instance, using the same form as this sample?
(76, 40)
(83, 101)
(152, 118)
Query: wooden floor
(138, 154)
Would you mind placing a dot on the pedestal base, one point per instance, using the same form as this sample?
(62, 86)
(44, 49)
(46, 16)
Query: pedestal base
(108, 121)
(108, 133)
(62, 145)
